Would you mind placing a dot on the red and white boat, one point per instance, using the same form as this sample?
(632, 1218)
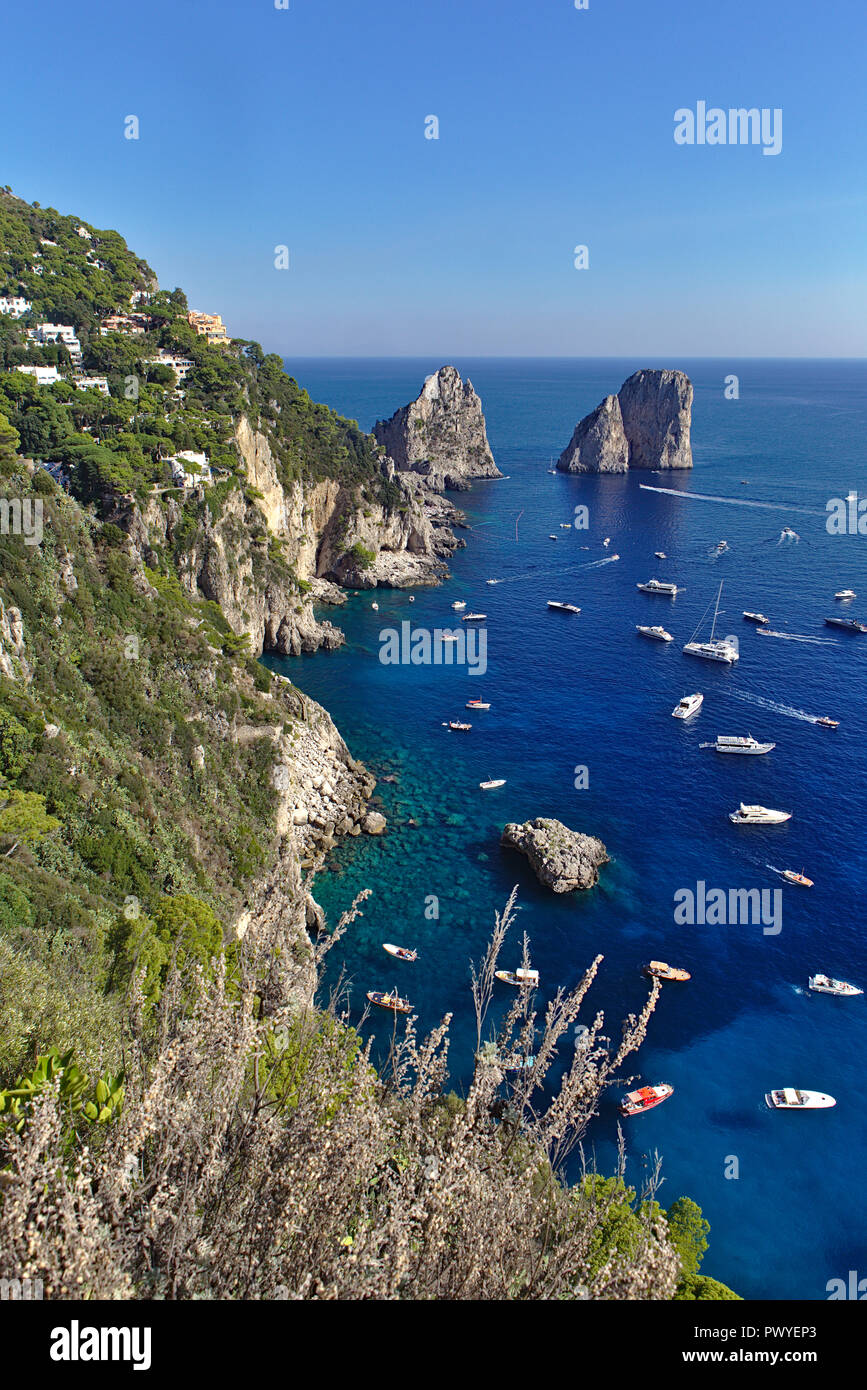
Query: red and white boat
(399, 952)
(477, 704)
(645, 1098)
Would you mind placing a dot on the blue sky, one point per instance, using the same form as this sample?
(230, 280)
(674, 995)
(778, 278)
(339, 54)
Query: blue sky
(305, 127)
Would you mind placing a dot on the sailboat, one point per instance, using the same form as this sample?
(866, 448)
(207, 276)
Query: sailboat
(715, 649)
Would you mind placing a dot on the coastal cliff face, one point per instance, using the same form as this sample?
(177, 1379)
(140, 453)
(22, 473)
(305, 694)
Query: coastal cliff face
(441, 435)
(646, 425)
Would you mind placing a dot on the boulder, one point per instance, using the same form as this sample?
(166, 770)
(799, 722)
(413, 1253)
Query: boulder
(562, 859)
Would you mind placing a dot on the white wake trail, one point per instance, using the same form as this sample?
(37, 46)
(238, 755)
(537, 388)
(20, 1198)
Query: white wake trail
(734, 501)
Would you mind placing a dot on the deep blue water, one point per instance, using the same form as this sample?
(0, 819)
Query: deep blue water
(587, 690)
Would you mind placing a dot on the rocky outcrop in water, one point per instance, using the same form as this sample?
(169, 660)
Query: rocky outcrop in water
(441, 435)
(562, 859)
(646, 425)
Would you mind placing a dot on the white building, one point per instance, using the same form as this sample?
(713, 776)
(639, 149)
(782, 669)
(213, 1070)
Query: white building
(45, 376)
(57, 333)
(14, 305)
(91, 383)
(190, 469)
(83, 232)
(179, 365)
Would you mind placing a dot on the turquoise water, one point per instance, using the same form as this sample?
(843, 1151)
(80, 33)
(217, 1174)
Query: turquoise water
(585, 690)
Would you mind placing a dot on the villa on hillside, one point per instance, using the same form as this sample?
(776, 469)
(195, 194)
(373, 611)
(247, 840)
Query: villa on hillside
(14, 305)
(45, 376)
(179, 365)
(57, 333)
(208, 326)
(123, 323)
(91, 383)
(190, 469)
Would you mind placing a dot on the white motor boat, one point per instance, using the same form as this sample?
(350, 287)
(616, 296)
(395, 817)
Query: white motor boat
(755, 617)
(529, 979)
(660, 554)
(658, 633)
(474, 617)
(563, 607)
(715, 649)
(688, 706)
(476, 704)
(607, 540)
(376, 606)
(399, 952)
(726, 744)
(824, 984)
(846, 593)
(458, 605)
(565, 525)
(553, 536)
(493, 782)
(758, 815)
(656, 586)
(791, 1099)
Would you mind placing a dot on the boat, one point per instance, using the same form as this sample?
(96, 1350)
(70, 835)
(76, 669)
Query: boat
(457, 724)
(607, 540)
(477, 704)
(824, 984)
(801, 879)
(614, 557)
(846, 593)
(828, 723)
(389, 1001)
(399, 952)
(713, 649)
(563, 607)
(688, 706)
(723, 545)
(553, 537)
(726, 743)
(758, 815)
(376, 606)
(789, 1098)
(645, 1098)
(848, 624)
(474, 617)
(458, 605)
(755, 617)
(527, 979)
(660, 554)
(659, 633)
(657, 586)
(661, 970)
(490, 581)
(449, 637)
(565, 525)
(789, 534)
(493, 782)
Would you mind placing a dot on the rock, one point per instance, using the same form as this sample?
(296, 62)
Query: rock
(314, 915)
(562, 859)
(299, 815)
(51, 730)
(198, 756)
(374, 823)
(441, 435)
(646, 425)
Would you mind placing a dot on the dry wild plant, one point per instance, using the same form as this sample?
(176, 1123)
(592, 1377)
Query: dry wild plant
(260, 1155)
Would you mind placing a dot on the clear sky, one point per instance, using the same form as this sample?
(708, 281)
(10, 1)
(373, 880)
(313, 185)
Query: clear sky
(305, 127)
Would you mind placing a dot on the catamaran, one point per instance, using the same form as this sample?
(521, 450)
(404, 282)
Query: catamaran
(688, 706)
(789, 1098)
(728, 744)
(645, 1098)
(656, 586)
(563, 607)
(657, 632)
(719, 649)
(824, 984)
(758, 815)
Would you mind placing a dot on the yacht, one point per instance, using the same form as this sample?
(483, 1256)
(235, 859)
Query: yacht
(755, 617)
(493, 581)
(565, 525)
(758, 815)
(718, 649)
(791, 1099)
(850, 624)
(723, 545)
(828, 723)
(645, 1098)
(824, 984)
(688, 706)
(563, 607)
(477, 704)
(660, 554)
(726, 744)
(449, 637)
(659, 633)
(458, 605)
(656, 586)
(474, 617)
(457, 725)
(846, 593)
(553, 536)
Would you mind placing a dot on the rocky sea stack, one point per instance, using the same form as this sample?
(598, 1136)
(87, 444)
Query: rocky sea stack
(646, 425)
(562, 859)
(441, 435)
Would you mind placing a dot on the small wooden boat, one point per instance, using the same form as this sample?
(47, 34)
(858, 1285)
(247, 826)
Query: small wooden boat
(645, 1098)
(828, 723)
(527, 979)
(801, 879)
(399, 952)
(661, 970)
(457, 724)
(790, 1098)
(491, 783)
(389, 1001)
(824, 984)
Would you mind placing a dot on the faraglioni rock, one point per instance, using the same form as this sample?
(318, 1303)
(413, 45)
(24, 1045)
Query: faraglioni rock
(646, 425)
(562, 859)
(442, 435)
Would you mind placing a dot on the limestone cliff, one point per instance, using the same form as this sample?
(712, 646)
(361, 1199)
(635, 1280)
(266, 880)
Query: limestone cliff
(646, 425)
(441, 435)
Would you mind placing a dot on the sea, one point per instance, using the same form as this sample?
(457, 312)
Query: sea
(580, 727)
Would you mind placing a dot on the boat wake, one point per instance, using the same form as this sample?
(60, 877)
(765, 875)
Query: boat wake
(799, 637)
(775, 707)
(569, 569)
(734, 501)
